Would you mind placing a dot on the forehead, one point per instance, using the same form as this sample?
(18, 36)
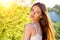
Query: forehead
(36, 8)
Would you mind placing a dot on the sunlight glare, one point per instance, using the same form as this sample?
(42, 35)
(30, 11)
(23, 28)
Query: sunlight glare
(7, 3)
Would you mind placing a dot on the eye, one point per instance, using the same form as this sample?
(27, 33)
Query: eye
(37, 12)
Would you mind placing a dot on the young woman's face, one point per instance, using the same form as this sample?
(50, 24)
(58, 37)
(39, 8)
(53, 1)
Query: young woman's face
(35, 13)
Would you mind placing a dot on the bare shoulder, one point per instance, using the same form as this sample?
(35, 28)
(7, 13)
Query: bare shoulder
(27, 31)
(28, 26)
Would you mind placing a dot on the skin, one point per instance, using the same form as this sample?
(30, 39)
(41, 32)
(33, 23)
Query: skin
(35, 15)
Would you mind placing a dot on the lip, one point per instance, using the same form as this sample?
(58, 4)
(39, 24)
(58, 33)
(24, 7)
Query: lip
(32, 16)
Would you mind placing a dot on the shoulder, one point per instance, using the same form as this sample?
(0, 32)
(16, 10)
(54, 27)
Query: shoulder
(27, 31)
(29, 26)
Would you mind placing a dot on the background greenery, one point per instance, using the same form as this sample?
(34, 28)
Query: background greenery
(13, 20)
(56, 24)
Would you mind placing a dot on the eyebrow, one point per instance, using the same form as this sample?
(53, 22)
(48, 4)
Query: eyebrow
(33, 8)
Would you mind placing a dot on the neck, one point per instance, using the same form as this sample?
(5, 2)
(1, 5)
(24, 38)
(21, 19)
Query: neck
(36, 21)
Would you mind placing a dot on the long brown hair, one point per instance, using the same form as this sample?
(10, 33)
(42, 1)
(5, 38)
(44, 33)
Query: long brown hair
(45, 22)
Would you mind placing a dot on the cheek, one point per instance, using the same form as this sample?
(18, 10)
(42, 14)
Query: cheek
(31, 12)
(31, 15)
(37, 16)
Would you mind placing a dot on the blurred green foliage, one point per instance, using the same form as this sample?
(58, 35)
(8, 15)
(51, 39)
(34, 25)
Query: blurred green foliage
(56, 25)
(56, 9)
(12, 22)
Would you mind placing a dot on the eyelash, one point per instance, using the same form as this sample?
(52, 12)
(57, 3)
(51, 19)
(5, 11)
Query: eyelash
(35, 12)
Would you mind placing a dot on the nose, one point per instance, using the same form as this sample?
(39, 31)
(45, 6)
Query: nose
(32, 13)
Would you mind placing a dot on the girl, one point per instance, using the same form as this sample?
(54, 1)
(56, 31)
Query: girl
(40, 28)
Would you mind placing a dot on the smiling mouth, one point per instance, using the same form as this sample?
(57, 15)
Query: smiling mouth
(32, 16)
